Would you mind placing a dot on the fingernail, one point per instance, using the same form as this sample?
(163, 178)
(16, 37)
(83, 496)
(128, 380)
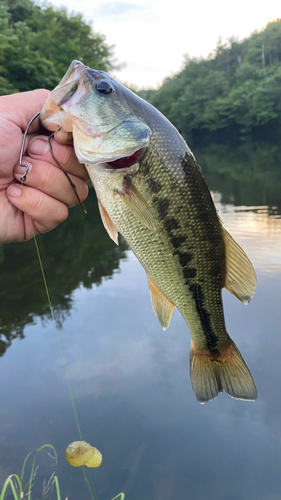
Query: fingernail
(19, 171)
(14, 191)
(38, 146)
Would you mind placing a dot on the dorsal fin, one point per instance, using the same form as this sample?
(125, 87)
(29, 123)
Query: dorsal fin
(108, 223)
(162, 306)
(240, 279)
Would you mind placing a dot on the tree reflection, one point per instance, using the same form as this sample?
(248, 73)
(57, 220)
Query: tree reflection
(77, 253)
(247, 174)
(80, 253)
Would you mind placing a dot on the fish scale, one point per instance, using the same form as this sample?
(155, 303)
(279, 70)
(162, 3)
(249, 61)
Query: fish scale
(194, 244)
(162, 206)
(157, 253)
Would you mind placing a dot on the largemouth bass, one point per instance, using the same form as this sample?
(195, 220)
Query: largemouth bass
(151, 190)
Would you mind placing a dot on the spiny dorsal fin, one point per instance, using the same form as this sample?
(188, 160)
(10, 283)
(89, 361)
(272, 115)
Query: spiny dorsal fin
(108, 223)
(162, 306)
(137, 204)
(240, 279)
(228, 371)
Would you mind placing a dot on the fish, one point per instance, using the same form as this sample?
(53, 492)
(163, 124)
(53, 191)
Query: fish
(151, 190)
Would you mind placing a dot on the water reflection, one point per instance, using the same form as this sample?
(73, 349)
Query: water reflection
(78, 253)
(131, 380)
(258, 231)
(247, 174)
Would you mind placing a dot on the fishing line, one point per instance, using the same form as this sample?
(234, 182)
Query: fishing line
(87, 478)
(57, 332)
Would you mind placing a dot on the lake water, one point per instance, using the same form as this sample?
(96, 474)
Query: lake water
(130, 379)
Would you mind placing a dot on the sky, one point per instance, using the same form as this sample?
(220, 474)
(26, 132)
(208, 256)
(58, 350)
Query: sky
(151, 37)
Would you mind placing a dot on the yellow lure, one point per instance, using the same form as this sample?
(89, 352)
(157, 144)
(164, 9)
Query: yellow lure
(81, 453)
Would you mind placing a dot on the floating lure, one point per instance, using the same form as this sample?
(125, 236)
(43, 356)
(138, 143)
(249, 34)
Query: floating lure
(81, 453)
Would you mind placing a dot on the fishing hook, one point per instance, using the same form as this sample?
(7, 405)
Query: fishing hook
(23, 177)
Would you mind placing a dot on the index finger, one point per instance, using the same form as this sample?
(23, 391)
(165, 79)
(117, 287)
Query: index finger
(63, 156)
(20, 108)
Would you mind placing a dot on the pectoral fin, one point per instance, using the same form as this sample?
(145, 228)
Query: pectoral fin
(240, 277)
(137, 204)
(162, 306)
(108, 223)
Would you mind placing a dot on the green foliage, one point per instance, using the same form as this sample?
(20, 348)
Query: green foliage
(147, 95)
(37, 44)
(237, 87)
(16, 483)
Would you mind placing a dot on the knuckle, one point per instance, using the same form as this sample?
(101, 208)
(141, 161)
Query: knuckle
(62, 213)
(45, 208)
(35, 202)
(53, 218)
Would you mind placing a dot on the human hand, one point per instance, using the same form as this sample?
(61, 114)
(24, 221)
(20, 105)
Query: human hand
(43, 201)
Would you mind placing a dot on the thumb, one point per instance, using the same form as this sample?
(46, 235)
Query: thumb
(20, 108)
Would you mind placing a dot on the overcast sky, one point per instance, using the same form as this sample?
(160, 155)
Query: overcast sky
(152, 36)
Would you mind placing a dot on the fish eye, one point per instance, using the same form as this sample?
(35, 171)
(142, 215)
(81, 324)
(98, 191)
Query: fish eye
(104, 87)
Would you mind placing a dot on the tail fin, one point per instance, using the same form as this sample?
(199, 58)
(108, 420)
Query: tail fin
(211, 374)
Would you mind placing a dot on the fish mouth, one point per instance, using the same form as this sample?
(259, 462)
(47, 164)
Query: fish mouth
(125, 161)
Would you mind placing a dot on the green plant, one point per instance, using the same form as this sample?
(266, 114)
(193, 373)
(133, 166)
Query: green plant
(16, 483)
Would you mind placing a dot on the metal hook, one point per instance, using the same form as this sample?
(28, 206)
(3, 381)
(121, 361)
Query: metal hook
(23, 177)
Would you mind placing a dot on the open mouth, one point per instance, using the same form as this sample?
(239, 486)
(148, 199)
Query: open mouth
(125, 162)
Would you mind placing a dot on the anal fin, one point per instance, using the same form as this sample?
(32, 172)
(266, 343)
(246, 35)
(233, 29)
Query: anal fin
(240, 279)
(210, 375)
(108, 223)
(162, 306)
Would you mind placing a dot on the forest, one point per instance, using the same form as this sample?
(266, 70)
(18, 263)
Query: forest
(37, 44)
(235, 91)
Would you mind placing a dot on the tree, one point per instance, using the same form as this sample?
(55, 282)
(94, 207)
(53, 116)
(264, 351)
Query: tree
(37, 44)
(237, 88)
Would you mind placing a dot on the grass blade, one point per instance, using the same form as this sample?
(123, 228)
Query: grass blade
(9, 482)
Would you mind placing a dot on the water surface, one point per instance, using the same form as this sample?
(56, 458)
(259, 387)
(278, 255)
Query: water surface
(130, 379)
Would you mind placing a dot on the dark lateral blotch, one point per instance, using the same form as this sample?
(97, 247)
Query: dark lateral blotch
(163, 206)
(177, 241)
(210, 336)
(171, 224)
(185, 258)
(154, 185)
(189, 273)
